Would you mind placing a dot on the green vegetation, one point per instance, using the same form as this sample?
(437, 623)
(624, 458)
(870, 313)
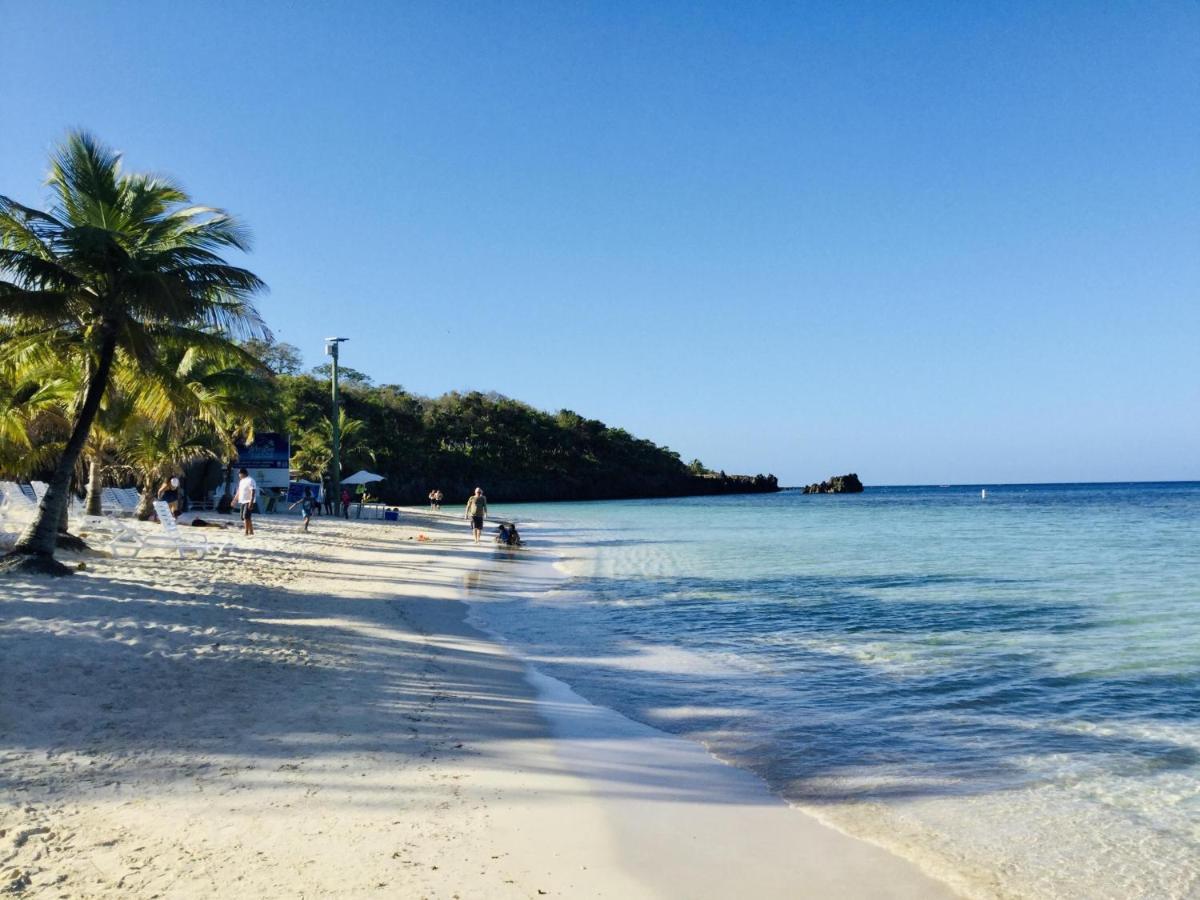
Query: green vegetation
(118, 283)
(457, 441)
(130, 349)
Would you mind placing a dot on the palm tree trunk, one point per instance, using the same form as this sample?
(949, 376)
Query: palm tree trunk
(94, 505)
(35, 548)
(145, 507)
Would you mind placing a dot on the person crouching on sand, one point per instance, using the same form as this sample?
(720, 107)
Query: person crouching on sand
(476, 510)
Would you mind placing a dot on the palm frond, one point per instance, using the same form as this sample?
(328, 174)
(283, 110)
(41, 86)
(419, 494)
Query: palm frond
(85, 177)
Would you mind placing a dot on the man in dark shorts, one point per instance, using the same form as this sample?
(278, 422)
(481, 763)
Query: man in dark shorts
(247, 494)
(476, 510)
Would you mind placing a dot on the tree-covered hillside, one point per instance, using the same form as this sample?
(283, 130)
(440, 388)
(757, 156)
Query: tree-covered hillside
(457, 441)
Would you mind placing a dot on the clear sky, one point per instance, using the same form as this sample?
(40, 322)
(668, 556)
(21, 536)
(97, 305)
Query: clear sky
(949, 242)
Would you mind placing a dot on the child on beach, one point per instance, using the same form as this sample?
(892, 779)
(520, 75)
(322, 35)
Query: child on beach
(307, 504)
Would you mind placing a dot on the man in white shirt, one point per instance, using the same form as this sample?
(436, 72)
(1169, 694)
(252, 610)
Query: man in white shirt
(247, 494)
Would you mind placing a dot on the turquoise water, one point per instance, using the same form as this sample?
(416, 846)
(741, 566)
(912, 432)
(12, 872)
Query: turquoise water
(1003, 690)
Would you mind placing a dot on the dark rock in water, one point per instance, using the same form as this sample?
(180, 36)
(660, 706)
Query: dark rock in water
(837, 484)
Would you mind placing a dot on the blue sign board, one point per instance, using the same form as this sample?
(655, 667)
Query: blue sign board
(266, 459)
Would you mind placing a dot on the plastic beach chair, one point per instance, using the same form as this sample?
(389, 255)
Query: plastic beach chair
(197, 543)
(15, 502)
(126, 541)
(115, 501)
(106, 524)
(10, 527)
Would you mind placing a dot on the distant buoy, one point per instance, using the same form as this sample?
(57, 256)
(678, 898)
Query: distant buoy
(983, 494)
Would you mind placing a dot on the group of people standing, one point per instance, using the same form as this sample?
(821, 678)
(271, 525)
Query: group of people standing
(246, 498)
(345, 500)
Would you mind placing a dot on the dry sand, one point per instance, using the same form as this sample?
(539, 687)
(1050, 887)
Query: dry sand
(310, 715)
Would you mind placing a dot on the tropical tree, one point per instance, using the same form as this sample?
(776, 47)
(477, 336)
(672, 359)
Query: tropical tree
(156, 452)
(101, 454)
(311, 456)
(194, 402)
(119, 263)
(33, 415)
(313, 451)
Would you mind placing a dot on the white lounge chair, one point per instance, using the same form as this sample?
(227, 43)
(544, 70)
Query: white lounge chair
(15, 503)
(106, 525)
(10, 530)
(74, 508)
(184, 541)
(114, 501)
(126, 541)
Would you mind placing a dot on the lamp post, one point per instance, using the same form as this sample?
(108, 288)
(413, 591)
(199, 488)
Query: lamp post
(331, 349)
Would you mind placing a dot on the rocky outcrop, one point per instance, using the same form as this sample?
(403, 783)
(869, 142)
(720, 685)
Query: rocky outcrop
(837, 484)
(720, 483)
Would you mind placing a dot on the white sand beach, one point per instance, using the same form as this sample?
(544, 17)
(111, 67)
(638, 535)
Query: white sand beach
(311, 715)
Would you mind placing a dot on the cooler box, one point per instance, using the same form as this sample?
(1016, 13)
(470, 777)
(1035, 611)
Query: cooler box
(392, 515)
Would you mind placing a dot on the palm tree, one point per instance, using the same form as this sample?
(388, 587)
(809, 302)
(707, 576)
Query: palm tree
(156, 452)
(33, 409)
(120, 263)
(101, 451)
(312, 454)
(194, 403)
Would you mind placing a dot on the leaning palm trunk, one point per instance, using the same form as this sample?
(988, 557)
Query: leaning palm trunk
(35, 548)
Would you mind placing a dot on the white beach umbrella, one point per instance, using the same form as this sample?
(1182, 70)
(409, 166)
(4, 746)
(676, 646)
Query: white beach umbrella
(362, 476)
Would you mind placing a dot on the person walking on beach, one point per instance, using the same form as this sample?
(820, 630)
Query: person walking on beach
(247, 496)
(437, 499)
(432, 500)
(345, 503)
(476, 510)
(306, 504)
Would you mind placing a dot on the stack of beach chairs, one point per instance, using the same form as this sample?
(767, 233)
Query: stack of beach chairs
(119, 501)
(18, 503)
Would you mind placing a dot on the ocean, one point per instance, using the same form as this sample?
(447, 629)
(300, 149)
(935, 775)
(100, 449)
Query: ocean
(1003, 690)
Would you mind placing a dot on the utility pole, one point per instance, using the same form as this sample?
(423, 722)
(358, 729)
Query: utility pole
(331, 349)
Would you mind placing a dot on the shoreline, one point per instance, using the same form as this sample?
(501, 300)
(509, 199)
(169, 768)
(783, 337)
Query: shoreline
(595, 739)
(315, 715)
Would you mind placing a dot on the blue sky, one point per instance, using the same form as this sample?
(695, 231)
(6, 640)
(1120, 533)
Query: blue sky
(929, 243)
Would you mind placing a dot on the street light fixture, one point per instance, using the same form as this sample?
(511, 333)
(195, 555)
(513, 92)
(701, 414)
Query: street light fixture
(331, 349)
